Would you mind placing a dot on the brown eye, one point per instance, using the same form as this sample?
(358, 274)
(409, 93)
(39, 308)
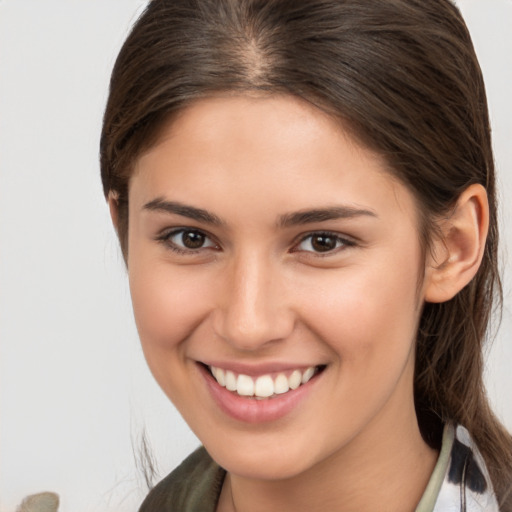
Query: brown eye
(323, 243)
(192, 239)
(182, 240)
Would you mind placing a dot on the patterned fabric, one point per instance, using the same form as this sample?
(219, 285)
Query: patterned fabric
(466, 486)
(459, 483)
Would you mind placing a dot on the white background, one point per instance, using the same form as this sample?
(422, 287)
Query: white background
(75, 394)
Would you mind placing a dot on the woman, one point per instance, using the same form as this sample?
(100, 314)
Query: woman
(304, 195)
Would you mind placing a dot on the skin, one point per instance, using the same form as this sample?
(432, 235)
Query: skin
(257, 292)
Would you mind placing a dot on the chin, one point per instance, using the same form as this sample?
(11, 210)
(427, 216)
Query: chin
(263, 464)
(268, 469)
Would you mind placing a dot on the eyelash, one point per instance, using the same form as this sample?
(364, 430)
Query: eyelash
(166, 237)
(340, 242)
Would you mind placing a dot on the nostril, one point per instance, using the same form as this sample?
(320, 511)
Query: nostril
(251, 330)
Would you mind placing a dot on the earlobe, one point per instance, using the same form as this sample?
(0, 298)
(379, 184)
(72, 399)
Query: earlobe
(457, 253)
(113, 204)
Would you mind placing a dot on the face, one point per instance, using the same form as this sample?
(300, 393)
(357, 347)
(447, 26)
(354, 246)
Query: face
(275, 271)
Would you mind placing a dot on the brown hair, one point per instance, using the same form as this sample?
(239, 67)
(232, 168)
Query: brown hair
(403, 76)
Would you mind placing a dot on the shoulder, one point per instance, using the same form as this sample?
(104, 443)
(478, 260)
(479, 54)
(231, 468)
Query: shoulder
(194, 486)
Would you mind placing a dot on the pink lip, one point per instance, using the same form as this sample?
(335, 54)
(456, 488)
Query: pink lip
(250, 410)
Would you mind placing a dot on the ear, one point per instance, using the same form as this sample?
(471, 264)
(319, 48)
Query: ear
(113, 204)
(456, 254)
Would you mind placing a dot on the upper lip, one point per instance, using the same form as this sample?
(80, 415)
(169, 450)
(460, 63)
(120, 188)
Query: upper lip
(254, 370)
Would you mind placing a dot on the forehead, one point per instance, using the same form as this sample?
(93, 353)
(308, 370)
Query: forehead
(257, 118)
(266, 151)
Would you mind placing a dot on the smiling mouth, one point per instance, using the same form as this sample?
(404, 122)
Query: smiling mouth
(263, 386)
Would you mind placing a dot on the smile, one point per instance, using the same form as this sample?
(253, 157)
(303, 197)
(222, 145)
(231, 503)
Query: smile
(263, 386)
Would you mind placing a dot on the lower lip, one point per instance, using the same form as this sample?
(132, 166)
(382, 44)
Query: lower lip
(251, 410)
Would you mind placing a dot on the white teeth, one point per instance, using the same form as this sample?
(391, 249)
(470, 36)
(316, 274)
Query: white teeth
(295, 379)
(230, 381)
(281, 384)
(218, 373)
(306, 376)
(245, 385)
(264, 386)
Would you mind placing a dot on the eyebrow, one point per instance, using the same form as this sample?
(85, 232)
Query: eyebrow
(161, 205)
(287, 220)
(323, 214)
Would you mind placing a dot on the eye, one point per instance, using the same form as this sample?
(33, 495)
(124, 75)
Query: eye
(186, 240)
(322, 243)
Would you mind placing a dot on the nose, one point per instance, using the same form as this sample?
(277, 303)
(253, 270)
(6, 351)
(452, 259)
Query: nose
(254, 309)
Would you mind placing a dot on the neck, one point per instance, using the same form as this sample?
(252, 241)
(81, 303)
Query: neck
(385, 467)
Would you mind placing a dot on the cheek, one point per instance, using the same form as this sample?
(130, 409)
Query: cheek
(367, 313)
(167, 305)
